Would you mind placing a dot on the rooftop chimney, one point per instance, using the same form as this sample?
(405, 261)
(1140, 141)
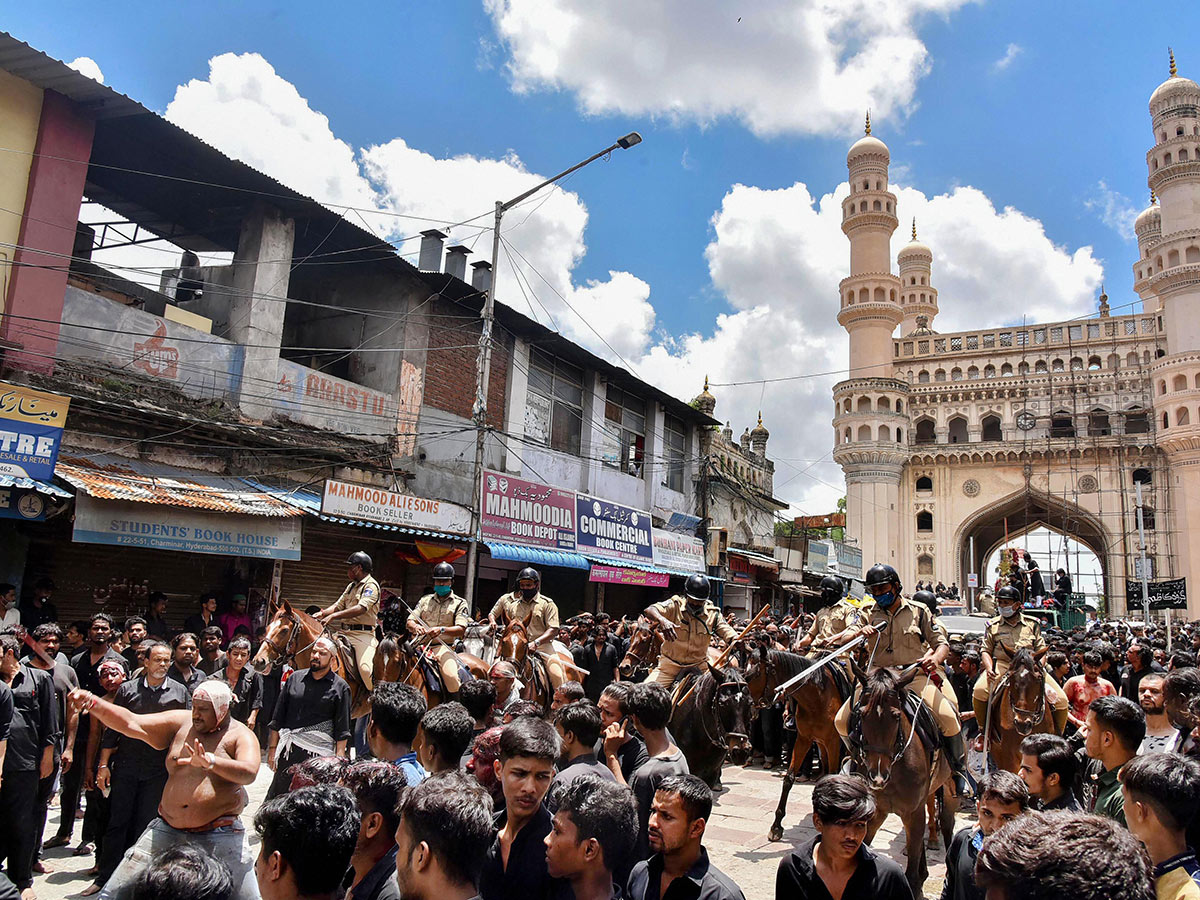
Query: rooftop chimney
(431, 251)
(481, 276)
(456, 261)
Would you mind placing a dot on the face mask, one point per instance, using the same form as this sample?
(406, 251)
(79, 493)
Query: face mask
(885, 600)
(443, 590)
(1007, 612)
(529, 593)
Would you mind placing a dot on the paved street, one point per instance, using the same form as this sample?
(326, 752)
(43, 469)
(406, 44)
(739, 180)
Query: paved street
(736, 837)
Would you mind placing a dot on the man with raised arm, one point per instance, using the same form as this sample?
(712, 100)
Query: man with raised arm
(211, 757)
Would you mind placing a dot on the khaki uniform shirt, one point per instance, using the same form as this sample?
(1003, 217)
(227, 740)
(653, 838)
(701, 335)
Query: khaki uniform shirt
(514, 606)
(695, 633)
(1002, 640)
(909, 633)
(438, 613)
(832, 620)
(364, 595)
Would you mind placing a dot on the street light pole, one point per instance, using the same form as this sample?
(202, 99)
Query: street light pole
(483, 362)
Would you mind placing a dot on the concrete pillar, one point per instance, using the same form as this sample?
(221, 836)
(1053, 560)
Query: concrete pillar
(654, 461)
(261, 270)
(591, 437)
(53, 194)
(518, 390)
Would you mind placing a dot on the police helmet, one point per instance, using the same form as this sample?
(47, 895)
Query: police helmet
(929, 598)
(881, 573)
(697, 587)
(529, 574)
(443, 570)
(1009, 593)
(361, 559)
(832, 588)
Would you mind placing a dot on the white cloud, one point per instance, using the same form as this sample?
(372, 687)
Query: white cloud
(798, 66)
(1011, 52)
(776, 256)
(1114, 209)
(85, 65)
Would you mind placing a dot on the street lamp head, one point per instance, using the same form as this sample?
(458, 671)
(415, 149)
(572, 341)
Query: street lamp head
(630, 140)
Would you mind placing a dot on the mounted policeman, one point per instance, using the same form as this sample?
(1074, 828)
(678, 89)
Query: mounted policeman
(836, 621)
(356, 614)
(441, 618)
(688, 623)
(1008, 633)
(528, 602)
(902, 633)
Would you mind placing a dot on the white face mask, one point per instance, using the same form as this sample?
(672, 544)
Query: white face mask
(1007, 612)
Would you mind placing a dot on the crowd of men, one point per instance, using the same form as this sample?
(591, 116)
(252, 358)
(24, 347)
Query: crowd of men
(492, 796)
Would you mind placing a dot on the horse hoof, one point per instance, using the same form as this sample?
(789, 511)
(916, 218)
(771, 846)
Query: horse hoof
(775, 834)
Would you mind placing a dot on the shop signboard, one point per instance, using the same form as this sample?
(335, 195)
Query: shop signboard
(361, 501)
(613, 531)
(1163, 594)
(17, 503)
(31, 428)
(678, 552)
(524, 512)
(130, 524)
(849, 560)
(816, 557)
(618, 575)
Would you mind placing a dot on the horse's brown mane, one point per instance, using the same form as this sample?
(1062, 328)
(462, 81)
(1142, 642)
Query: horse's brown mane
(881, 683)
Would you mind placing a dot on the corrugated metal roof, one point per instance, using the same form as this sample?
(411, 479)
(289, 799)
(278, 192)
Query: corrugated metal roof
(109, 477)
(756, 559)
(310, 504)
(539, 555)
(32, 484)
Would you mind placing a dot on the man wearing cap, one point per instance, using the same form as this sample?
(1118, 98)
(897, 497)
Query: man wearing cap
(688, 623)
(829, 626)
(528, 602)
(210, 759)
(442, 619)
(356, 613)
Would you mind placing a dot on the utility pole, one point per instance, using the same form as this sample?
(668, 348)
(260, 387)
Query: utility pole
(1137, 486)
(483, 362)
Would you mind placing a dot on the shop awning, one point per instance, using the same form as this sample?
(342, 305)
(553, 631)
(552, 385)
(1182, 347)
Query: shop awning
(639, 566)
(108, 477)
(538, 555)
(32, 484)
(309, 503)
(758, 560)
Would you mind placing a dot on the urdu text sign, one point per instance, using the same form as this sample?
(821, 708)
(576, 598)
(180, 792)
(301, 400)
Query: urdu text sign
(31, 428)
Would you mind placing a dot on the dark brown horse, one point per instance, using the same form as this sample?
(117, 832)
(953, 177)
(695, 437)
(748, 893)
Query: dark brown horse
(713, 723)
(901, 771)
(513, 647)
(1018, 710)
(815, 702)
(642, 655)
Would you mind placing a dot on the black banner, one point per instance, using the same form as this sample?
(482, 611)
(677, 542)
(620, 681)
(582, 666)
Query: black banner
(1163, 594)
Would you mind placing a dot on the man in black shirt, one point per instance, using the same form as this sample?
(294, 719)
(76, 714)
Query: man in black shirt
(578, 727)
(47, 639)
(592, 834)
(599, 659)
(206, 616)
(1000, 797)
(86, 664)
(212, 659)
(1141, 663)
(312, 717)
(185, 650)
(837, 862)
(133, 771)
(678, 817)
(376, 786)
(1048, 768)
(447, 818)
(515, 868)
(614, 715)
(39, 609)
(29, 757)
(135, 631)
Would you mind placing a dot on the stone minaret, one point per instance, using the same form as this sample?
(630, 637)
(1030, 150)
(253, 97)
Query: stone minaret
(869, 422)
(1174, 169)
(1148, 228)
(918, 296)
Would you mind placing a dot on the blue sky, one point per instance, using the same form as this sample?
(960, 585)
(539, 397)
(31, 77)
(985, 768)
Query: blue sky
(1036, 106)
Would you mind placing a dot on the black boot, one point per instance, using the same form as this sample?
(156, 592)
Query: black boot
(956, 756)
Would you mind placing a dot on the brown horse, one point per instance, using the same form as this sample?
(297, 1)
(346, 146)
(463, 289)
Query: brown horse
(902, 773)
(1018, 710)
(815, 703)
(642, 655)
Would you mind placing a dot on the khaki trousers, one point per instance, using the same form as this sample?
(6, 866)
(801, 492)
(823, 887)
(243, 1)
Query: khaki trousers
(1058, 698)
(448, 665)
(364, 644)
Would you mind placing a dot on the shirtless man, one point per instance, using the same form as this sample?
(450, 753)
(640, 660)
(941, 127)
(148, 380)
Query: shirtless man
(211, 757)
(1083, 689)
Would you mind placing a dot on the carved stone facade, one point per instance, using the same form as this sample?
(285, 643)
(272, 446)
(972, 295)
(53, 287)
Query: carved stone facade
(948, 437)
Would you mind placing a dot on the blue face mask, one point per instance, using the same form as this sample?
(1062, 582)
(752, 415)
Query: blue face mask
(885, 600)
(443, 590)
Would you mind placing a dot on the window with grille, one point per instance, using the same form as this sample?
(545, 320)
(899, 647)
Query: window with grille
(1130, 326)
(1094, 330)
(1076, 332)
(1039, 336)
(1022, 338)
(956, 343)
(922, 346)
(1147, 326)
(908, 348)
(989, 340)
(554, 407)
(972, 342)
(625, 416)
(1006, 339)
(674, 452)
(1056, 334)
(939, 345)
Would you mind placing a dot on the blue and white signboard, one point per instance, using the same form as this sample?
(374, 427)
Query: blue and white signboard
(31, 428)
(19, 503)
(129, 524)
(613, 531)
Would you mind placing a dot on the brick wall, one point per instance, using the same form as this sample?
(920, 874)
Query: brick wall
(450, 365)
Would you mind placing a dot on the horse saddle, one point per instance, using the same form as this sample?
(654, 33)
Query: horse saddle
(684, 679)
(349, 659)
(433, 674)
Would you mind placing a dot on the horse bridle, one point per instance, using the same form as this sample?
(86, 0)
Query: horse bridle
(708, 736)
(288, 654)
(860, 750)
(1040, 712)
(638, 659)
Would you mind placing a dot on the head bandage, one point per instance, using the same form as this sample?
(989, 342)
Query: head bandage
(218, 693)
(110, 667)
(327, 641)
